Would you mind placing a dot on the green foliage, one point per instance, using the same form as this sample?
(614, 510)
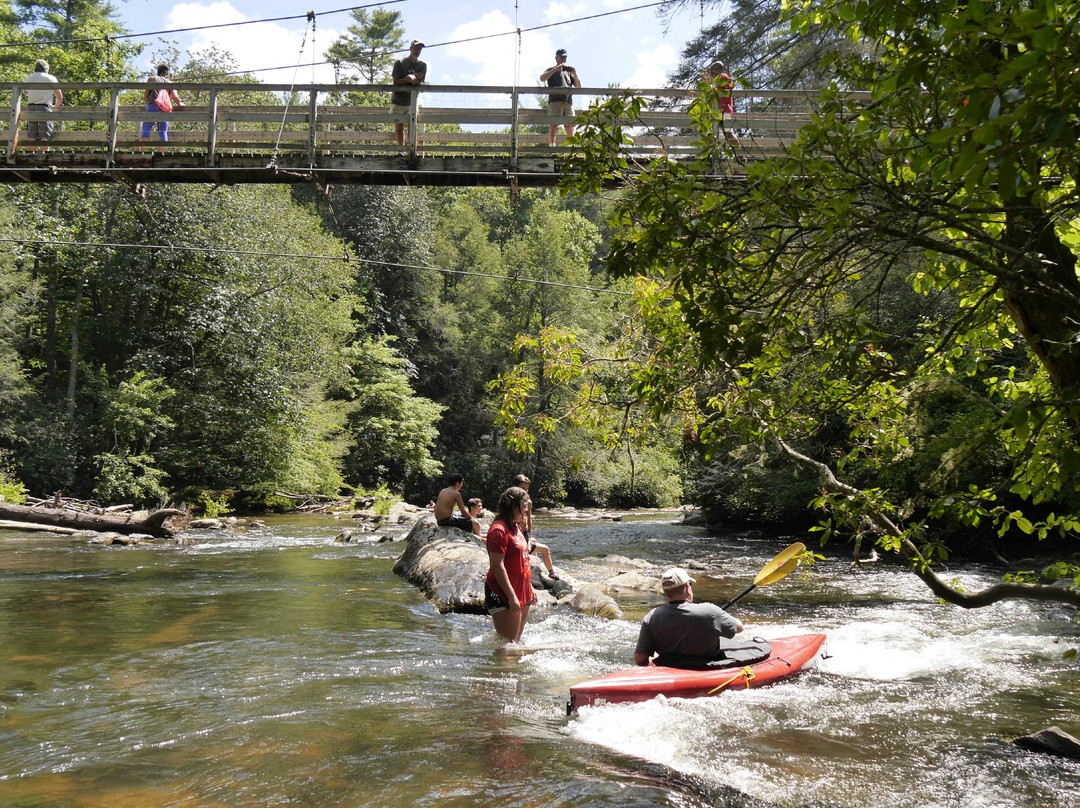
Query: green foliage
(384, 499)
(777, 297)
(132, 420)
(391, 430)
(213, 504)
(742, 484)
(129, 478)
(250, 340)
(369, 44)
(11, 488)
(638, 478)
(134, 416)
(755, 42)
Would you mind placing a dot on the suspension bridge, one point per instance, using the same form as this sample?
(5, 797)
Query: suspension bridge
(230, 133)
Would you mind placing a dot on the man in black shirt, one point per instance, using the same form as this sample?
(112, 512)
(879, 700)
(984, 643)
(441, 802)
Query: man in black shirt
(561, 104)
(409, 70)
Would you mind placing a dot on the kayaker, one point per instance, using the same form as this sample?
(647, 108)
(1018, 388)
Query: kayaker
(683, 634)
(508, 591)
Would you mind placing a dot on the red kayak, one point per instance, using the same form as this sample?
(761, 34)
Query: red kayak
(789, 655)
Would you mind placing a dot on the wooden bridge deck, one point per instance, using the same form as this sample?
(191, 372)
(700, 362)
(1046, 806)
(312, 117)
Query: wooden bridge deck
(466, 135)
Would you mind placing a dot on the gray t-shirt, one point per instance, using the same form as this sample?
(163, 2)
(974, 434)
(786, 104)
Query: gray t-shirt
(403, 68)
(676, 631)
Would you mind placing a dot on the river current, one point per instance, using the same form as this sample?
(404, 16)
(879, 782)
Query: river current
(277, 668)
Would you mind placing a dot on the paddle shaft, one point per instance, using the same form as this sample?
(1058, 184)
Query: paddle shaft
(777, 569)
(739, 597)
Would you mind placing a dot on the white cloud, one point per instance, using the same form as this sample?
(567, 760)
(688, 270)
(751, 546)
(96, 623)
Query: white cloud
(557, 12)
(493, 60)
(652, 68)
(259, 45)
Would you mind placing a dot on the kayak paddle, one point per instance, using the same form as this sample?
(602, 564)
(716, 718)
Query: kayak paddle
(780, 567)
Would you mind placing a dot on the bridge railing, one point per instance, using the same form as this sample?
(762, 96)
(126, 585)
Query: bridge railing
(355, 119)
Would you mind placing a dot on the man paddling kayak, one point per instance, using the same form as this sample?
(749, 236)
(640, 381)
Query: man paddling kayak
(682, 633)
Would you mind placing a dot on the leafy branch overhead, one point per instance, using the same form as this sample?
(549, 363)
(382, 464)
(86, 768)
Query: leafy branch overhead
(899, 291)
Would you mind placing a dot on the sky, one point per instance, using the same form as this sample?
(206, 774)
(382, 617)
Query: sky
(631, 48)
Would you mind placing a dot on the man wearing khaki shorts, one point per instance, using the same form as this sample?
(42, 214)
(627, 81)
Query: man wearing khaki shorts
(560, 104)
(409, 70)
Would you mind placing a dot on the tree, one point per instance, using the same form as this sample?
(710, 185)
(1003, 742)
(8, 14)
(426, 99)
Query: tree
(134, 415)
(759, 46)
(369, 45)
(391, 429)
(960, 177)
(79, 42)
(250, 328)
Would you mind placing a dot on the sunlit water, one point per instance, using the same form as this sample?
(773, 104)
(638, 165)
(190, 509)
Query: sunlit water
(278, 668)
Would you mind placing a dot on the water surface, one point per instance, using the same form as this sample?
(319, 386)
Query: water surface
(275, 667)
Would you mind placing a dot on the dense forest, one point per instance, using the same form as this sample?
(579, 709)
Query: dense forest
(223, 346)
(879, 326)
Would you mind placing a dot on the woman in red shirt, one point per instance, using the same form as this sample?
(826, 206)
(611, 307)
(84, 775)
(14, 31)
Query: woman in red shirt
(508, 591)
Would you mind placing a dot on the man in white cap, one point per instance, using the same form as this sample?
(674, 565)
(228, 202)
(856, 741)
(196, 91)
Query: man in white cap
(682, 633)
(409, 70)
(42, 97)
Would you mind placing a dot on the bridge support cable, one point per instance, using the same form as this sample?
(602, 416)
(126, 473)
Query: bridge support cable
(292, 91)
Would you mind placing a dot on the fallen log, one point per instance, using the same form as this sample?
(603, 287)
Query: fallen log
(153, 523)
(31, 527)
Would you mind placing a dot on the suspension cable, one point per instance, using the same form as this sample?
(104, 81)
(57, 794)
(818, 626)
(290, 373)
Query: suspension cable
(346, 258)
(291, 93)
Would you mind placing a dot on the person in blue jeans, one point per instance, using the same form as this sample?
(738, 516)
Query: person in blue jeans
(162, 100)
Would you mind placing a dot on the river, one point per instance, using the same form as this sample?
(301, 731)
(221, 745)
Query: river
(276, 668)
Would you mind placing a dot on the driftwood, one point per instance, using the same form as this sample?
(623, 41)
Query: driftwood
(321, 503)
(30, 527)
(152, 524)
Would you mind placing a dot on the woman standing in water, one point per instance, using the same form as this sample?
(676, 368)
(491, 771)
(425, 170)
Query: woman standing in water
(508, 591)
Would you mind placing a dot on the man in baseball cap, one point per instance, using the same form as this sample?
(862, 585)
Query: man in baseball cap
(683, 634)
(561, 76)
(409, 70)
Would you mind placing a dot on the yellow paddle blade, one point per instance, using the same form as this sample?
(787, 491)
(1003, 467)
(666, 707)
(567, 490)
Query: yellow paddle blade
(783, 572)
(769, 572)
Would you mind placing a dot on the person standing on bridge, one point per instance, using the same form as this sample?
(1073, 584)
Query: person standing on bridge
(716, 75)
(45, 100)
(162, 100)
(408, 70)
(561, 104)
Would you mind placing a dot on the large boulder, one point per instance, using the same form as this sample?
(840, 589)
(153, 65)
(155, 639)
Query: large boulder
(589, 599)
(633, 581)
(402, 513)
(447, 564)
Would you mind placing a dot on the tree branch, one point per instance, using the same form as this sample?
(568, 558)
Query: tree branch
(920, 566)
